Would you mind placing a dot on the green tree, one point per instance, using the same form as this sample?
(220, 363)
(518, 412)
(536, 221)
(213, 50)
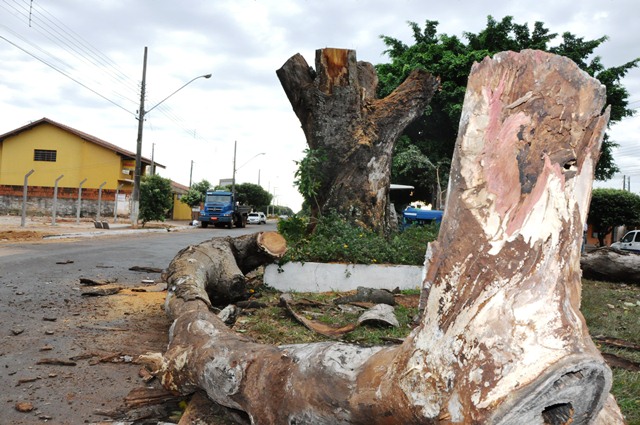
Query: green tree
(309, 178)
(611, 208)
(450, 58)
(254, 195)
(156, 198)
(196, 193)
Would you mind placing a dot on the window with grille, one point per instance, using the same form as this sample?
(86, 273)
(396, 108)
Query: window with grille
(44, 155)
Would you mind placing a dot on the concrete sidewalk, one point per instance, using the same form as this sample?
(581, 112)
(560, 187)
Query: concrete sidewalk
(67, 227)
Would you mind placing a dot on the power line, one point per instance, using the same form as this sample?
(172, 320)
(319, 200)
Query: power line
(53, 32)
(66, 75)
(76, 48)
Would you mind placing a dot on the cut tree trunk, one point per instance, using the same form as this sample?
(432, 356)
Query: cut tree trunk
(611, 265)
(501, 340)
(191, 276)
(342, 118)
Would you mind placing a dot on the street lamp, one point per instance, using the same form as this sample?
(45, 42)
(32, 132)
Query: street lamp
(135, 196)
(233, 179)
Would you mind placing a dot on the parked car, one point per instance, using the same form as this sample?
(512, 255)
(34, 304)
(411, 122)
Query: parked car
(629, 242)
(257, 218)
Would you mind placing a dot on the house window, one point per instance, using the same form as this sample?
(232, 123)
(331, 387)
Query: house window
(44, 155)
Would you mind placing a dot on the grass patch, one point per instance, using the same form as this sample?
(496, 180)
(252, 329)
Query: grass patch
(611, 309)
(273, 325)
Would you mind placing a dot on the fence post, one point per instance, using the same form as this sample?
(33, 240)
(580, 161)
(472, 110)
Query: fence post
(115, 207)
(24, 198)
(55, 200)
(79, 201)
(100, 199)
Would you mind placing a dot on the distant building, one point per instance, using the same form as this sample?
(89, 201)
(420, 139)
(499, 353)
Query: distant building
(52, 150)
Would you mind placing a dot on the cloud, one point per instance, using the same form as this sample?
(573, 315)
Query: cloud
(242, 43)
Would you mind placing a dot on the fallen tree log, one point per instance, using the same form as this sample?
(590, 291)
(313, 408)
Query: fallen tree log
(611, 265)
(501, 340)
(191, 276)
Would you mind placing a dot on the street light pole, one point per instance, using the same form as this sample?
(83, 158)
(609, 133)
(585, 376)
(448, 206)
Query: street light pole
(135, 196)
(233, 179)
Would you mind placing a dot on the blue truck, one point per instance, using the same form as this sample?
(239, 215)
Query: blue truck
(411, 216)
(221, 209)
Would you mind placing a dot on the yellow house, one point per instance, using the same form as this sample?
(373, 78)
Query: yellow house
(58, 152)
(181, 211)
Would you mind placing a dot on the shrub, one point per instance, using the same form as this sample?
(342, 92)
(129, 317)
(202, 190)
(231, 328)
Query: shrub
(337, 240)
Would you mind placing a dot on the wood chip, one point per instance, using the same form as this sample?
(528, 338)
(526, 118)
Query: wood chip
(93, 282)
(101, 291)
(56, 362)
(616, 342)
(27, 380)
(139, 397)
(145, 269)
(24, 406)
(317, 327)
(621, 363)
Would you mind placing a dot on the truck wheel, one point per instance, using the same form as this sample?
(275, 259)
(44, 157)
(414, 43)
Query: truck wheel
(204, 224)
(230, 225)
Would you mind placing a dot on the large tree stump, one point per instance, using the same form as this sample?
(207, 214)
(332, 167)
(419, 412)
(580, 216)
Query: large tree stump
(340, 115)
(502, 340)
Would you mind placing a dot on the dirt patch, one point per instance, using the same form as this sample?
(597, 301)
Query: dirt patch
(21, 235)
(82, 359)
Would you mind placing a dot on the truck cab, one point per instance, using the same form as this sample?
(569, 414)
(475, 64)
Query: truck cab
(221, 209)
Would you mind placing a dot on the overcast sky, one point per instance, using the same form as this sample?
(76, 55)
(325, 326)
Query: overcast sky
(97, 49)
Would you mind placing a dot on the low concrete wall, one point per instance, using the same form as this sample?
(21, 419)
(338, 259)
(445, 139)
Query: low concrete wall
(323, 277)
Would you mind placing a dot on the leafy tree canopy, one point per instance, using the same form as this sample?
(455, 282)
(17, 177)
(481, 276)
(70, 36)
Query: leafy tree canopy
(451, 58)
(611, 208)
(156, 198)
(196, 193)
(251, 194)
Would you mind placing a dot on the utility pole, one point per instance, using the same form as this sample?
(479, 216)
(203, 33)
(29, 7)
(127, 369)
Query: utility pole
(233, 180)
(135, 196)
(191, 174)
(153, 162)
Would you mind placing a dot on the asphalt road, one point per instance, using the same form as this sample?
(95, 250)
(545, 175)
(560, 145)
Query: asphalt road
(120, 250)
(44, 316)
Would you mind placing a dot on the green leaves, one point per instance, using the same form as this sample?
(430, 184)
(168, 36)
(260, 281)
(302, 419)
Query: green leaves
(254, 195)
(449, 58)
(309, 178)
(613, 207)
(337, 240)
(156, 198)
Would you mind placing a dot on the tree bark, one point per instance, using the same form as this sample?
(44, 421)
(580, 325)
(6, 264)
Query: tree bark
(502, 340)
(341, 116)
(611, 265)
(192, 278)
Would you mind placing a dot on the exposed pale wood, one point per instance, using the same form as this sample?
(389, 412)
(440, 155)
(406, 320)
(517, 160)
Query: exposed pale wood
(502, 340)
